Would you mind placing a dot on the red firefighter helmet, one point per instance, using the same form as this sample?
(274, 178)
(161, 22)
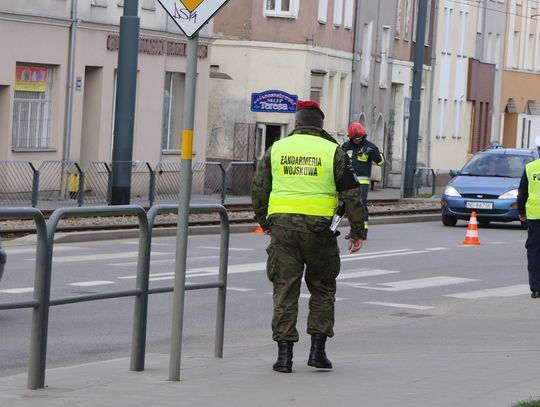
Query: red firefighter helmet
(356, 130)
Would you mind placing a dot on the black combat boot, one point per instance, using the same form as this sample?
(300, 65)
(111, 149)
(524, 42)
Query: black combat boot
(284, 360)
(317, 354)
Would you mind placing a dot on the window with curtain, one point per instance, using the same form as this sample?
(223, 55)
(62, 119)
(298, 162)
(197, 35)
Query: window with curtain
(281, 8)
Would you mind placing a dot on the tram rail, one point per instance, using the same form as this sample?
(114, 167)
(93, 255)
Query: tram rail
(239, 213)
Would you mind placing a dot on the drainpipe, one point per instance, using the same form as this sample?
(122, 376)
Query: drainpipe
(354, 78)
(69, 81)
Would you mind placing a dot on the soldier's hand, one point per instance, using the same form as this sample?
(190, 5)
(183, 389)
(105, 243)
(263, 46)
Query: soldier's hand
(355, 245)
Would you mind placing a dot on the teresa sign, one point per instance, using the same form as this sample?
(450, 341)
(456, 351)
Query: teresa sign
(191, 15)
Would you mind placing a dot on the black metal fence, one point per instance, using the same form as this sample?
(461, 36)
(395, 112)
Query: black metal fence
(429, 182)
(65, 183)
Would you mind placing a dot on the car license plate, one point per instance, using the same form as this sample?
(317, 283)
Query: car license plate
(479, 205)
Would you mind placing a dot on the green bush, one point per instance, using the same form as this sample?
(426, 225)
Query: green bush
(527, 403)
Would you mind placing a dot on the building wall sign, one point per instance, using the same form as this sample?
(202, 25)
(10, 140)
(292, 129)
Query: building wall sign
(157, 46)
(273, 100)
(31, 78)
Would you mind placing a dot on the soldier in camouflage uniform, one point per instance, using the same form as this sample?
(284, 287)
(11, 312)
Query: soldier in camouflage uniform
(289, 206)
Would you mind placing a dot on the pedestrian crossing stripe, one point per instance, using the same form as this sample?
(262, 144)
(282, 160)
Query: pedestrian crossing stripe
(508, 291)
(419, 283)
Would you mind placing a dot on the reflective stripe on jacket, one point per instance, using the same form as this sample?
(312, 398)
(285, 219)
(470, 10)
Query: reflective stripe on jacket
(303, 176)
(532, 207)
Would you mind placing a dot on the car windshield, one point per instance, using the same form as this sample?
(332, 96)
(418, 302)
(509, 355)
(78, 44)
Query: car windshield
(496, 165)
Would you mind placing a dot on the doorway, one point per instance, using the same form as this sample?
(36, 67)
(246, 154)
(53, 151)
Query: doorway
(267, 134)
(91, 117)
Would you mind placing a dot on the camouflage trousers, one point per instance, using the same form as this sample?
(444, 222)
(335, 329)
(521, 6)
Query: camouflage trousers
(289, 253)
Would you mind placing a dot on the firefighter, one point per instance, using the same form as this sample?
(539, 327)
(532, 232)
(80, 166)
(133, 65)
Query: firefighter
(362, 154)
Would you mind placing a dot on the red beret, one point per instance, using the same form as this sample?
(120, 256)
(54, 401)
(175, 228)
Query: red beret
(305, 104)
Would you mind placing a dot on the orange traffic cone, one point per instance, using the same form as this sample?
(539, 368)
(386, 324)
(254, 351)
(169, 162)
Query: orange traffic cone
(259, 230)
(471, 237)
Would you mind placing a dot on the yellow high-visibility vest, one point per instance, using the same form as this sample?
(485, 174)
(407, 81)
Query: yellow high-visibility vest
(303, 176)
(532, 206)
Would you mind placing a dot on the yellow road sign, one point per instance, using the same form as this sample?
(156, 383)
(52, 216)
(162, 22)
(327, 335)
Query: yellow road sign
(191, 4)
(191, 15)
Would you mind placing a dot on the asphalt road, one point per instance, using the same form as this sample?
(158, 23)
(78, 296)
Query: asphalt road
(406, 274)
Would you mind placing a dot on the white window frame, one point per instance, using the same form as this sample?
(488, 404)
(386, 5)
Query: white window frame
(322, 14)
(32, 107)
(272, 8)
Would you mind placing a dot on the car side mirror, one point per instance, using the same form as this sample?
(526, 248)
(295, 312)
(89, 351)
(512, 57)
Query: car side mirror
(453, 173)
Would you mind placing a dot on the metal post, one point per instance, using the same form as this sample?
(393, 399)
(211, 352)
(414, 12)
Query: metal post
(140, 313)
(126, 85)
(35, 186)
(224, 176)
(70, 75)
(222, 291)
(414, 121)
(40, 315)
(183, 209)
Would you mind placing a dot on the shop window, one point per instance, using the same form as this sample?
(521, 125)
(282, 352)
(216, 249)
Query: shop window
(281, 8)
(32, 107)
(173, 111)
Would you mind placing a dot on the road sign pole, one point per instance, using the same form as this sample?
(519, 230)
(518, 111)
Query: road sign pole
(183, 209)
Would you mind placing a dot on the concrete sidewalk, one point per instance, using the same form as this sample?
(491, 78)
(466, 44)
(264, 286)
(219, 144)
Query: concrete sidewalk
(452, 359)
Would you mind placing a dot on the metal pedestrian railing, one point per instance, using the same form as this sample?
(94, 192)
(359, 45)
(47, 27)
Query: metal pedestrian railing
(42, 300)
(66, 183)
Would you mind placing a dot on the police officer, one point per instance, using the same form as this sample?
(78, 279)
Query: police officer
(295, 193)
(362, 154)
(529, 210)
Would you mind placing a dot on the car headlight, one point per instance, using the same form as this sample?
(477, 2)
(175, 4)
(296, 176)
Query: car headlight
(451, 191)
(509, 194)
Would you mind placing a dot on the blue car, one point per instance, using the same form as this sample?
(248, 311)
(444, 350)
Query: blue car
(487, 184)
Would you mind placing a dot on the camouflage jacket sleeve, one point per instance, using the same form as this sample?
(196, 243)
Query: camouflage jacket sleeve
(349, 196)
(261, 188)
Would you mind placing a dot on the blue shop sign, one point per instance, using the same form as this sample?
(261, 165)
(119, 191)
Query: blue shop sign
(273, 100)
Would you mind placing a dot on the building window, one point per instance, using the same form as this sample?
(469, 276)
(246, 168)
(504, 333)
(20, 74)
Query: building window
(408, 8)
(323, 11)
(148, 5)
(281, 8)
(317, 86)
(385, 49)
(99, 3)
(398, 19)
(173, 111)
(32, 107)
(366, 53)
(348, 17)
(338, 12)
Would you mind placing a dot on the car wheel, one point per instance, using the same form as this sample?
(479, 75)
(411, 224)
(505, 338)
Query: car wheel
(449, 220)
(523, 224)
